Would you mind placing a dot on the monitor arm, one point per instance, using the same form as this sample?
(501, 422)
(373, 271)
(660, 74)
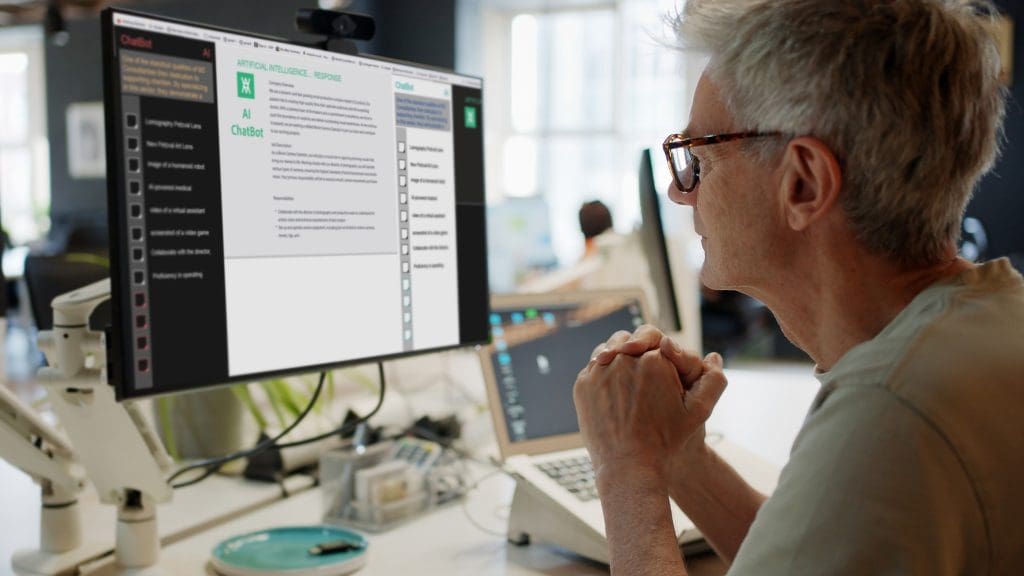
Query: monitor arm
(120, 450)
(68, 354)
(37, 449)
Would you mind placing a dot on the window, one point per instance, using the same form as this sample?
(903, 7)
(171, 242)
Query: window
(575, 89)
(24, 156)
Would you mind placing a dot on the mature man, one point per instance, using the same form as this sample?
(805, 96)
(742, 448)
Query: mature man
(847, 138)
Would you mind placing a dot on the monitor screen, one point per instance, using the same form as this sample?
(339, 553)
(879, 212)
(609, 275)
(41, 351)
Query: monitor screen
(276, 208)
(537, 351)
(652, 237)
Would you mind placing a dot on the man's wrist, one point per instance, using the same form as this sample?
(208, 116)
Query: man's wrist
(615, 476)
(689, 466)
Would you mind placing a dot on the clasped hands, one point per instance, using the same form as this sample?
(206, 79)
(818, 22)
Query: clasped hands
(642, 402)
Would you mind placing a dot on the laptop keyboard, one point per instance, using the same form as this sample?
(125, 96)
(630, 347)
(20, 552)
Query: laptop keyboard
(575, 474)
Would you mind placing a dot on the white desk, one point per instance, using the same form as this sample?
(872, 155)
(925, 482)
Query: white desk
(443, 541)
(193, 509)
(759, 410)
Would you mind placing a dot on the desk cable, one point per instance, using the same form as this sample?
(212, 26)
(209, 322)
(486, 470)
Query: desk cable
(212, 465)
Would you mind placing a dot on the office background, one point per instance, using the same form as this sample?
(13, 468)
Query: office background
(574, 89)
(550, 145)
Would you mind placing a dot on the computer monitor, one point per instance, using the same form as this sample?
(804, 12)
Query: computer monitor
(655, 247)
(276, 208)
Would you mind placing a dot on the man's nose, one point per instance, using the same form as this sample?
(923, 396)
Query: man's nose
(676, 195)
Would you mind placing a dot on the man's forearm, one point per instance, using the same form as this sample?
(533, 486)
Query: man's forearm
(638, 523)
(717, 499)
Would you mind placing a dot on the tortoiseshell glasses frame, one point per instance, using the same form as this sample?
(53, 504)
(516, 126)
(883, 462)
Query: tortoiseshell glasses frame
(685, 166)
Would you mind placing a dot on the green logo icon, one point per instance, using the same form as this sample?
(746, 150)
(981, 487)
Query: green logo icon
(470, 118)
(246, 85)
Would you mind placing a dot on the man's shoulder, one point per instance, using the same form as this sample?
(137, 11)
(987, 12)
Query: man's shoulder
(959, 380)
(955, 340)
(959, 369)
(972, 349)
(869, 483)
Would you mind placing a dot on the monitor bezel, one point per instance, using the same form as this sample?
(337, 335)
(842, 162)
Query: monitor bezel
(119, 373)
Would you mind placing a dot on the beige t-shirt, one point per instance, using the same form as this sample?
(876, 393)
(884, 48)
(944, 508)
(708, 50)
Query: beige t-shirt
(911, 460)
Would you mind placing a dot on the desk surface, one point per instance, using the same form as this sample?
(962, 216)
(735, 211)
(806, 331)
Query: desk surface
(444, 541)
(761, 411)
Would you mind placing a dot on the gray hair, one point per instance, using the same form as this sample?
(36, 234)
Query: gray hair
(905, 92)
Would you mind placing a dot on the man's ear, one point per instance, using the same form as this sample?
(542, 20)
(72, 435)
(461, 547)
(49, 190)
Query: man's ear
(811, 181)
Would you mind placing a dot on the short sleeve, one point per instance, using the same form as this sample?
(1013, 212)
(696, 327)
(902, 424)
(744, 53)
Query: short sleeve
(871, 488)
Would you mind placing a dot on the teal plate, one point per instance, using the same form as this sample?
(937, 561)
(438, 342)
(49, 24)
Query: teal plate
(286, 551)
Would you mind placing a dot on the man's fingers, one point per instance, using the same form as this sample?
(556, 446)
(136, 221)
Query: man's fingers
(645, 338)
(715, 358)
(688, 365)
(700, 400)
(605, 353)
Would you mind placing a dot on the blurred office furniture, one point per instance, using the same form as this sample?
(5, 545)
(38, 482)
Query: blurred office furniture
(85, 236)
(48, 276)
(88, 238)
(736, 325)
(729, 320)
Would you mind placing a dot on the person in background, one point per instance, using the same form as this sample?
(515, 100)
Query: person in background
(595, 219)
(831, 150)
(610, 260)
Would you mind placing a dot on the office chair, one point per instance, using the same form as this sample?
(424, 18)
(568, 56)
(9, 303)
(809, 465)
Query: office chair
(85, 235)
(88, 238)
(47, 277)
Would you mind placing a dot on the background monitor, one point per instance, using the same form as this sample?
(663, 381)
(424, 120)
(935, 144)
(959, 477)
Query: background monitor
(276, 208)
(539, 344)
(655, 247)
(518, 242)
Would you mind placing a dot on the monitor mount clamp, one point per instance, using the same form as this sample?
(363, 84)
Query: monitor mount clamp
(120, 451)
(39, 450)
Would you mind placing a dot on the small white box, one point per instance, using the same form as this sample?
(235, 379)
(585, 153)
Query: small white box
(401, 147)
(405, 233)
(408, 317)
(403, 198)
(405, 284)
(404, 216)
(406, 301)
(405, 249)
(408, 334)
(401, 164)
(405, 267)
(402, 180)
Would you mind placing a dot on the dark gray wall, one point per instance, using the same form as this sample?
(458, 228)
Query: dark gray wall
(406, 29)
(999, 202)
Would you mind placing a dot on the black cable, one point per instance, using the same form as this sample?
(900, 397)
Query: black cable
(348, 426)
(212, 465)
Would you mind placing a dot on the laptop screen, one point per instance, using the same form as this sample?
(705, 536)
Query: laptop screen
(537, 351)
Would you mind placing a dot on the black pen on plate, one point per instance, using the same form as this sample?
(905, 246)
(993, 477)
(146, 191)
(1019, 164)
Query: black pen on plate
(335, 547)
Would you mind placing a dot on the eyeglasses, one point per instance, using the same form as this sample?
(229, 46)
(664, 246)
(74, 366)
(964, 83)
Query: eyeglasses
(685, 166)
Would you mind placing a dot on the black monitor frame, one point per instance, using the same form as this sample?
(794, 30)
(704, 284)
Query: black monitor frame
(655, 247)
(471, 256)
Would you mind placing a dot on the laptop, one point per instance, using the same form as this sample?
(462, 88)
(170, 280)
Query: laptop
(539, 344)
